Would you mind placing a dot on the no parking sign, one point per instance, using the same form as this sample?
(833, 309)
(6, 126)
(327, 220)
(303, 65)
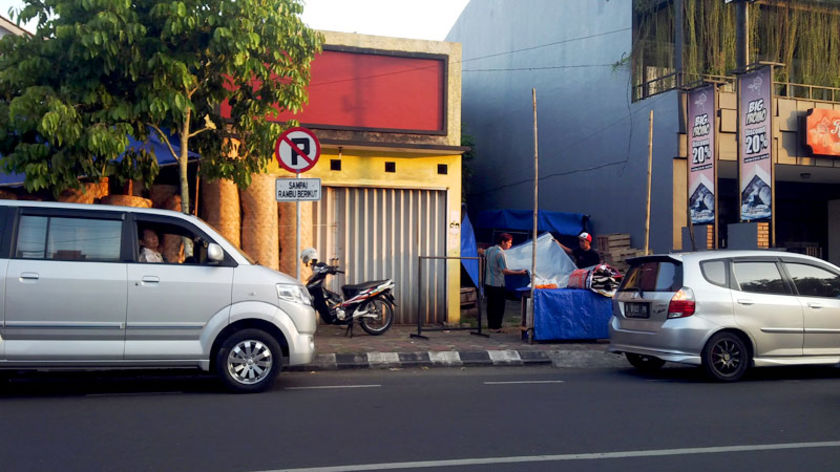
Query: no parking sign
(297, 150)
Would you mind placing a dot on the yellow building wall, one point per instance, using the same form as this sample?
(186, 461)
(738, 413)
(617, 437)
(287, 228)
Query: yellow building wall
(366, 168)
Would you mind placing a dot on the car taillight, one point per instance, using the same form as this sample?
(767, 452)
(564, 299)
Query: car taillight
(682, 304)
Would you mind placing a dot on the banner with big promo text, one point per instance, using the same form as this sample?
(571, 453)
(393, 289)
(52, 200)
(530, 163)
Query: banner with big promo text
(755, 144)
(701, 145)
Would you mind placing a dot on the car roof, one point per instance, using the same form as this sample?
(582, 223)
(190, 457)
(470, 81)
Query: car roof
(92, 207)
(724, 253)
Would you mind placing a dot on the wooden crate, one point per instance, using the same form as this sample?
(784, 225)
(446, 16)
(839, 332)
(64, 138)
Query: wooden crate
(469, 302)
(609, 242)
(468, 296)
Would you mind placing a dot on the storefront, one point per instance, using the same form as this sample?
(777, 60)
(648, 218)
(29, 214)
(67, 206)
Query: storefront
(794, 200)
(387, 114)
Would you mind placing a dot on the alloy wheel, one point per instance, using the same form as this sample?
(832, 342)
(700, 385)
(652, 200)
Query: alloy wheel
(249, 362)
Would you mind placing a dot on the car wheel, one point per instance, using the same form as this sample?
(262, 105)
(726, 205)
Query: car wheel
(725, 357)
(249, 361)
(644, 363)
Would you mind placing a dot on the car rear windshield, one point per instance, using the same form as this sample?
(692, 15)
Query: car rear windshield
(654, 276)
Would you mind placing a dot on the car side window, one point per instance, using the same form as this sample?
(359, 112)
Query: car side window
(174, 242)
(811, 281)
(760, 277)
(714, 272)
(69, 239)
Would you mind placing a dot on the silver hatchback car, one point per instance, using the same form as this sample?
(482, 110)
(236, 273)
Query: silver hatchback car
(727, 311)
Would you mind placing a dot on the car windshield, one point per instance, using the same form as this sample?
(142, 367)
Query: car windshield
(654, 276)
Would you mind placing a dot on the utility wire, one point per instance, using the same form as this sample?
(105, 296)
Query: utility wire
(537, 68)
(580, 140)
(477, 58)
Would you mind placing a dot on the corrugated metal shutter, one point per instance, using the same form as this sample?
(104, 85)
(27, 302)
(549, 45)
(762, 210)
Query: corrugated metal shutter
(379, 234)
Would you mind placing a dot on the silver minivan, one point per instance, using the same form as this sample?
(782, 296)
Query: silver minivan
(727, 311)
(77, 293)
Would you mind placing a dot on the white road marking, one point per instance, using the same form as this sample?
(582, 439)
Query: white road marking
(526, 382)
(563, 457)
(322, 387)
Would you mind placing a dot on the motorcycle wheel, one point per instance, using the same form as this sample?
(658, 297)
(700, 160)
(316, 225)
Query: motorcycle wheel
(382, 321)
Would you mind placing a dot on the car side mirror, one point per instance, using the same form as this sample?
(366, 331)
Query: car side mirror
(215, 253)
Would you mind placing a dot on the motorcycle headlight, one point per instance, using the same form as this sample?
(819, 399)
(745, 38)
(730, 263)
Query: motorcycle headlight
(293, 293)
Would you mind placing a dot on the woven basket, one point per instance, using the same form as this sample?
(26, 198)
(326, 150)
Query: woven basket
(259, 220)
(126, 200)
(89, 193)
(159, 194)
(172, 245)
(220, 208)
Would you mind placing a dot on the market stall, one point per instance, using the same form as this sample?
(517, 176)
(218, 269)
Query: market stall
(568, 303)
(569, 313)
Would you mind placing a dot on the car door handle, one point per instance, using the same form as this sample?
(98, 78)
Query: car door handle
(29, 276)
(745, 301)
(150, 279)
(815, 306)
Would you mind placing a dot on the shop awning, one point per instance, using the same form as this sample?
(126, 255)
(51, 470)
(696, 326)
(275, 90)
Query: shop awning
(154, 143)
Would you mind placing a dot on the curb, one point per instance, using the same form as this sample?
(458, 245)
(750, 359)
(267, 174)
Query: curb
(385, 360)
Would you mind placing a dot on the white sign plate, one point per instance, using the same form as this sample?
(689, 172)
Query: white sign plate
(290, 190)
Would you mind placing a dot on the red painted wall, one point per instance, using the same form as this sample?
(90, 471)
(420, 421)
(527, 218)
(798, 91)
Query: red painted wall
(360, 89)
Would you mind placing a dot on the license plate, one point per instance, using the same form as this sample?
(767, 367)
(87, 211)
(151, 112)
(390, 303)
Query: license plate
(637, 310)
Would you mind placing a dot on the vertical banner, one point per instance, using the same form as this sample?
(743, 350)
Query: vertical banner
(701, 145)
(754, 144)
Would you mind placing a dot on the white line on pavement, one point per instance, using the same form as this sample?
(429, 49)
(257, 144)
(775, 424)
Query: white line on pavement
(322, 387)
(526, 382)
(563, 457)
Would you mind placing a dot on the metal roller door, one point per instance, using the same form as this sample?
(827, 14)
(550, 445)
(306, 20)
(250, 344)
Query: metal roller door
(379, 233)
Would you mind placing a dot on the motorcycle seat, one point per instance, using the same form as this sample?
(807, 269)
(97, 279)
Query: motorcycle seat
(351, 290)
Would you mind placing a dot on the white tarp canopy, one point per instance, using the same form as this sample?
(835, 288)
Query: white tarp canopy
(553, 264)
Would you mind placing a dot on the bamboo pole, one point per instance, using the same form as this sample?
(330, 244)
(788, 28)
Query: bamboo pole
(650, 164)
(530, 323)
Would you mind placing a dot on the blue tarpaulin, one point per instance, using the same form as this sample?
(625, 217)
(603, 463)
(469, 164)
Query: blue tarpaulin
(164, 156)
(569, 224)
(469, 249)
(571, 314)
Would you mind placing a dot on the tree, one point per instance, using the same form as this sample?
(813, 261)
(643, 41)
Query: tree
(58, 120)
(203, 71)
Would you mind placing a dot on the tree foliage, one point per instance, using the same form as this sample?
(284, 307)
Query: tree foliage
(98, 69)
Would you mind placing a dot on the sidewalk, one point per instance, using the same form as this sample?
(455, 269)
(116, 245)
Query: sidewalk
(450, 348)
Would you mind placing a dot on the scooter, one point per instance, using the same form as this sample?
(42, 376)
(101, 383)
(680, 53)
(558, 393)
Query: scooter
(371, 303)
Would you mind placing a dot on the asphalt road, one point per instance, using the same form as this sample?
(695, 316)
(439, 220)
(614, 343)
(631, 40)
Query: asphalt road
(532, 419)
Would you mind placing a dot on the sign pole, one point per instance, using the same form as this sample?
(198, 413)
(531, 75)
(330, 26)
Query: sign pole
(297, 150)
(297, 234)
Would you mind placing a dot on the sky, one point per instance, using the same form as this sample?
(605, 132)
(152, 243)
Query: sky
(415, 19)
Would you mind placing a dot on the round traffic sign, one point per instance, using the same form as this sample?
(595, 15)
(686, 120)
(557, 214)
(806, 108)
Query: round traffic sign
(297, 150)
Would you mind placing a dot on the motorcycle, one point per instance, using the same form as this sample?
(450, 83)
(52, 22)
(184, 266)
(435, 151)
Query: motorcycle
(371, 303)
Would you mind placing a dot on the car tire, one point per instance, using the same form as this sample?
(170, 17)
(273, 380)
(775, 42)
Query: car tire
(644, 363)
(248, 361)
(725, 357)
